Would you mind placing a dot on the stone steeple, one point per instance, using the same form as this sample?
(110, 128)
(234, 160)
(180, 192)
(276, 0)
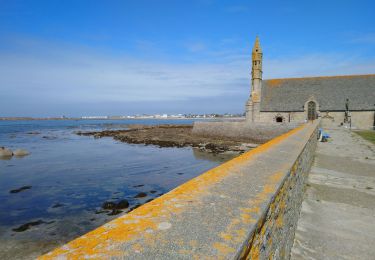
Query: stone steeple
(253, 104)
(257, 55)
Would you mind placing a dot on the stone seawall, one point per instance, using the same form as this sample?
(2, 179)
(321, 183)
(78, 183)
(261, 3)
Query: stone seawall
(241, 130)
(273, 236)
(245, 208)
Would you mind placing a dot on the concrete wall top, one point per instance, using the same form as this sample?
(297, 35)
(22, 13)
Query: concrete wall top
(210, 216)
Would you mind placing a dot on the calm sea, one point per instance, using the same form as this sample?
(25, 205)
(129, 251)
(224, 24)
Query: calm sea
(70, 177)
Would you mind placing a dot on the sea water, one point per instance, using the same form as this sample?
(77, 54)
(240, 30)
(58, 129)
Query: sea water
(69, 177)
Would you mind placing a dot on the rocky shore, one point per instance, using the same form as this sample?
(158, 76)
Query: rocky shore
(173, 136)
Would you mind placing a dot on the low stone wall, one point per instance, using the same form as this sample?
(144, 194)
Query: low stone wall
(242, 130)
(245, 208)
(274, 235)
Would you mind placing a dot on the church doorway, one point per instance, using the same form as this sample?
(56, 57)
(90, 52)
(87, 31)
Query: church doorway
(311, 110)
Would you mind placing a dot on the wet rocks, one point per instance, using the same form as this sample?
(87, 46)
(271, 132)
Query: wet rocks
(28, 225)
(122, 204)
(141, 195)
(170, 136)
(4, 152)
(33, 133)
(20, 189)
(47, 137)
(109, 205)
(115, 212)
(21, 152)
(57, 205)
(114, 207)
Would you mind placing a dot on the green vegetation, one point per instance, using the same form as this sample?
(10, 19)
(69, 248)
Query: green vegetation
(368, 135)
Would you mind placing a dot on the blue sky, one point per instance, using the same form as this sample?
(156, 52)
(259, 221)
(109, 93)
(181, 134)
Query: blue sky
(125, 57)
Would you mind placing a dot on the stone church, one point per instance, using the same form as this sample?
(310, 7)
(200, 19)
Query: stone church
(337, 100)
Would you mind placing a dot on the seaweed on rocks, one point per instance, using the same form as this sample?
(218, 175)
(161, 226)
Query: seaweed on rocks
(171, 136)
(28, 225)
(141, 195)
(110, 205)
(20, 189)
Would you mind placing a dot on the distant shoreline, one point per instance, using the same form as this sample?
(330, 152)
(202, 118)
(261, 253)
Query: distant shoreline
(137, 118)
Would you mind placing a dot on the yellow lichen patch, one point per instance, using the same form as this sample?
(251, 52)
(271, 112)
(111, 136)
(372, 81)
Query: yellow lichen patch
(254, 253)
(223, 249)
(280, 221)
(106, 240)
(226, 237)
(274, 82)
(239, 234)
(276, 177)
(278, 81)
(137, 248)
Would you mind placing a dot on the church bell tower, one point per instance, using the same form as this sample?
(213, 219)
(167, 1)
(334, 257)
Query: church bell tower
(253, 104)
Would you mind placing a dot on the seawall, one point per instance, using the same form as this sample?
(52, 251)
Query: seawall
(245, 208)
(241, 130)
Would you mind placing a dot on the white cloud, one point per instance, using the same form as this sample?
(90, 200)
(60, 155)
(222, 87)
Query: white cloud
(317, 65)
(79, 74)
(64, 74)
(195, 46)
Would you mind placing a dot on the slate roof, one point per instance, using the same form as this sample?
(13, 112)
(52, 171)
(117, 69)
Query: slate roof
(290, 94)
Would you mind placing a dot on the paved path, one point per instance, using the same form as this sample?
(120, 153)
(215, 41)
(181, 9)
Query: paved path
(338, 212)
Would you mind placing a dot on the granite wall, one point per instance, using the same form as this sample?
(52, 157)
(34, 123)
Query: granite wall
(274, 233)
(242, 130)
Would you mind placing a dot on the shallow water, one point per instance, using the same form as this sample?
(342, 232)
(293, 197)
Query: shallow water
(72, 176)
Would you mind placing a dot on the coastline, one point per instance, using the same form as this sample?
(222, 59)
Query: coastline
(169, 135)
(115, 118)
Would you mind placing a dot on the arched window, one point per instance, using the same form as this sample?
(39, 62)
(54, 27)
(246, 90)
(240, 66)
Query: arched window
(279, 119)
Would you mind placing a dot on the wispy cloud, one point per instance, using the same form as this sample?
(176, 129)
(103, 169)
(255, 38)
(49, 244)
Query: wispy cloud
(368, 38)
(52, 73)
(80, 74)
(195, 46)
(317, 64)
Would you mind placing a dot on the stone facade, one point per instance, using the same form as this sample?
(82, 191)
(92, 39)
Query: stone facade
(253, 104)
(332, 98)
(241, 131)
(274, 236)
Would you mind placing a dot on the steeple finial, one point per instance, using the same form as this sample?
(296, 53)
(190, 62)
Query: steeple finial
(257, 47)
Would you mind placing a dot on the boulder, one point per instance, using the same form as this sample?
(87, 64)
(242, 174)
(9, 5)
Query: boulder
(4, 152)
(21, 152)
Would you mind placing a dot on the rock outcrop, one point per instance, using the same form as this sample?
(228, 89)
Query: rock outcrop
(4, 152)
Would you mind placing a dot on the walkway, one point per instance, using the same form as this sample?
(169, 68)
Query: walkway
(338, 212)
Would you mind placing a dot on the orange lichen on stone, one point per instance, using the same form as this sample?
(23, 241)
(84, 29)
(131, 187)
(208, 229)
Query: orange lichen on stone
(143, 221)
(277, 82)
(223, 249)
(280, 221)
(254, 253)
(274, 82)
(233, 229)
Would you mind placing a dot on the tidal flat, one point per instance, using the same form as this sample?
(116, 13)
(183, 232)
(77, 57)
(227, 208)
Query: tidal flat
(173, 135)
(71, 184)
